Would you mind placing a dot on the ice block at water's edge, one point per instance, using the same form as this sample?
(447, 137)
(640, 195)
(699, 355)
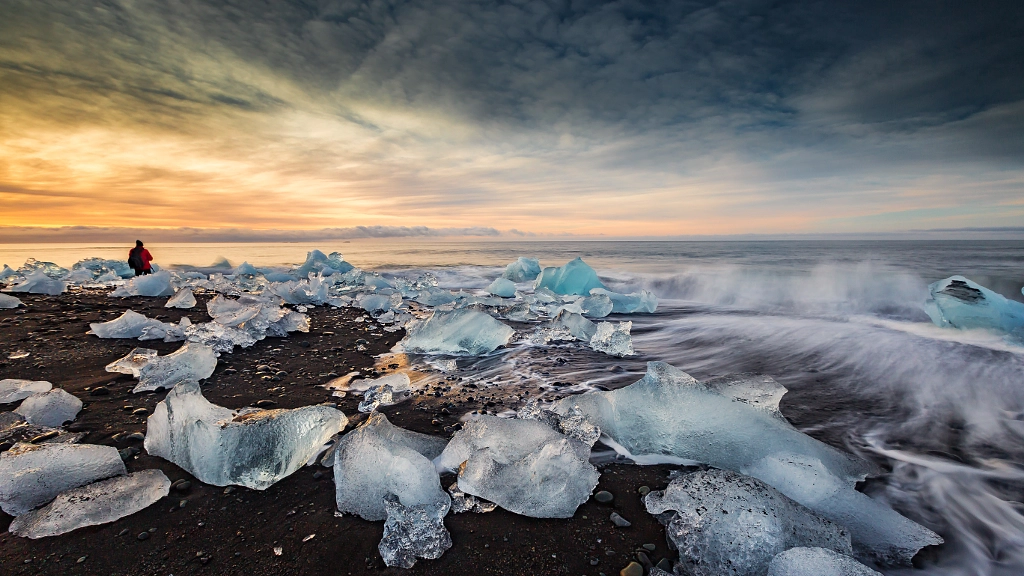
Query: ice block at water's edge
(576, 277)
(14, 389)
(457, 332)
(192, 362)
(33, 474)
(613, 339)
(960, 303)
(522, 269)
(816, 562)
(52, 408)
(642, 301)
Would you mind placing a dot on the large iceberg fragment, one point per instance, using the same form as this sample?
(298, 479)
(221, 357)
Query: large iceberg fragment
(456, 332)
(32, 475)
(131, 324)
(412, 532)
(39, 283)
(725, 523)
(816, 562)
(377, 459)
(14, 389)
(97, 503)
(183, 298)
(190, 363)
(319, 263)
(158, 284)
(960, 303)
(9, 302)
(52, 408)
(502, 287)
(524, 466)
(613, 339)
(249, 447)
(642, 301)
(573, 278)
(522, 269)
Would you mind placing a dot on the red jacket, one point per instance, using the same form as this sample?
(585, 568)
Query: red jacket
(145, 256)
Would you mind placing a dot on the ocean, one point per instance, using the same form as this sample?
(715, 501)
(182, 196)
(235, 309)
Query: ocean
(839, 324)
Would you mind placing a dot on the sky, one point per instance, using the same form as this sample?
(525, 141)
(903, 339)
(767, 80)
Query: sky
(467, 117)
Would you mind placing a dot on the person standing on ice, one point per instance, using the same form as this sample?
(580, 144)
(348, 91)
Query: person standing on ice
(139, 259)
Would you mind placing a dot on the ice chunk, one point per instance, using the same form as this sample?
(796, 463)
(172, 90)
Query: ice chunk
(378, 303)
(412, 532)
(99, 268)
(725, 523)
(132, 362)
(39, 283)
(613, 340)
(596, 306)
(311, 291)
(377, 459)
(190, 363)
(522, 269)
(579, 327)
(573, 278)
(758, 390)
(13, 389)
(573, 424)
(221, 338)
(433, 296)
(502, 287)
(246, 269)
(317, 262)
(33, 474)
(960, 303)
(158, 284)
(249, 447)
(816, 562)
(382, 391)
(462, 502)
(6, 273)
(524, 466)
(97, 503)
(462, 331)
(166, 332)
(642, 301)
(182, 299)
(131, 324)
(9, 302)
(52, 408)
(519, 313)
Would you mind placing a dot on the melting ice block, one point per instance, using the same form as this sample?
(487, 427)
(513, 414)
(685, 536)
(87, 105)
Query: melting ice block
(249, 447)
(642, 301)
(13, 389)
(166, 331)
(502, 287)
(457, 332)
(596, 306)
(317, 262)
(382, 391)
(33, 474)
(132, 362)
(190, 363)
(816, 562)
(183, 298)
(522, 269)
(613, 339)
(38, 282)
(52, 408)
(6, 273)
(9, 302)
(97, 503)
(412, 532)
(377, 459)
(725, 523)
(158, 284)
(131, 324)
(960, 303)
(573, 278)
(524, 466)
(578, 327)
(377, 303)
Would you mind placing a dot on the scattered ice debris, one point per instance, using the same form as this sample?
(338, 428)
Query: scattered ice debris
(158, 284)
(433, 296)
(131, 324)
(13, 389)
(249, 447)
(49, 268)
(577, 326)
(318, 263)
(382, 391)
(596, 305)
(462, 502)
(245, 321)
(8, 302)
(33, 474)
(573, 278)
(183, 298)
(132, 362)
(96, 503)
(99, 268)
(502, 287)
(642, 301)
(524, 466)
(725, 523)
(377, 459)
(613, 339)
(190, 363)
(522, 269)
(412, 532)
(816, 562)
(457, 332)
(519, 313)
(311, 291)
(960, 303)
(38, 282)
(377, 303)
(52, 408)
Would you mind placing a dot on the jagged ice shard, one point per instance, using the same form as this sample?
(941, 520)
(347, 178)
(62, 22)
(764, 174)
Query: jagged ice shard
(522, 269)
(456, 332)
(725, 523)
(573, 278)
(613, 340)
(960, 303)
(248, 447)
(13, 389)
(33, 474)
(132, 362)
(97, 503)
(158, 284)
(183, 299)
(38, 282)
(524, 466)
(412, 532)
(9, 302)
(190, 363)
(816, 562)
(52, 408)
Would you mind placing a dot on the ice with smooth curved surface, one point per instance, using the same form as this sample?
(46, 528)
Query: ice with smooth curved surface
(33, 474)
(960, 303)
(52, 408)
(383, 391)
(576, 277)
(190, 363)
(412, 532)
(377, 459)
(249, 447)
(14, 389)
(8, 302)
(502, 287)
(38, 282)
(183, 298)
(524, 466)
(596, 306)
(613, 339)
(724, 523)
(158, 284)
(96, 503)
(522, 269)
(816, 562)
(131, 324)
(7, 272)
(457, 332)
(578, 327)
(642, 301)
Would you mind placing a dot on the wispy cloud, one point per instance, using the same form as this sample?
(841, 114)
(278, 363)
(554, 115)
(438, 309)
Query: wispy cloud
(30, 234)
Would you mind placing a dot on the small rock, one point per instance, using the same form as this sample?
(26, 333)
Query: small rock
(182, 503)
(665, 564)
(127, 453)
(318, 475)
(123, 532)
(44, 436)
(143, 536)
(281, 373)
(136, 436)
(604, 497)
(262, 368)
(265, 403)
(100, 391)
(182, 485)
(644, 490)
(644, 560)
(230, 490)
(619, 520)
(650, 547)
(632, 569)
(594, 561)
(140, 412)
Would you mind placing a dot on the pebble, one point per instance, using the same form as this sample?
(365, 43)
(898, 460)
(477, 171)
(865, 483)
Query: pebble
(182, 485)
(99, 391)
(265, 403)
(619, 520)
(136, 436)
(644, 490)
(604, 497)
(644, 559)
(128, 453)
(262, 368)
(143, 536)
(632, 569)
(650, 547)
(595, 561)
(318, 475)
(281, 373)
(140, 411)
(230, 490)
(665, 564)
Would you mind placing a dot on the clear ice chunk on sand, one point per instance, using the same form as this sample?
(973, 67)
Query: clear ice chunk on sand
(802, 561)
(14, 389)
(377, 459)
(960, 303)
(33, 474)
(457, 332)
(96, 503)
(249, 447)
(183, 298)
(642, 301)
(383, 391)
(166, 331)
(52, 408)
(8, 302)
(132, 362)
(219, 337)
(158, 284)
(131, 324)
(613, 339)
(524, 466)
(190, 363)
(576, 277)
(725, 523)
(522, 269)
(502, 287)
(38, 282)
(412, 532)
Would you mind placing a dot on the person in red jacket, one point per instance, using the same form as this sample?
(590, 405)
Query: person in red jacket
(139, 259)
